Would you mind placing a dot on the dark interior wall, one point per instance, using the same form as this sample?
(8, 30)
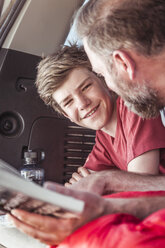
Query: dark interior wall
(26, 122)
(20, 105)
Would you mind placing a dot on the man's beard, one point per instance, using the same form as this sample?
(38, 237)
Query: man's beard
(139, 97)
(147, 106)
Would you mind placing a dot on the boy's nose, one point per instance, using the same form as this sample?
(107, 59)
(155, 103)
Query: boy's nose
(83, 102)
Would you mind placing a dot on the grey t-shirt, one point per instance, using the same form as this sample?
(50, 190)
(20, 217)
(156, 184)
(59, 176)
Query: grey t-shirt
(162, 113)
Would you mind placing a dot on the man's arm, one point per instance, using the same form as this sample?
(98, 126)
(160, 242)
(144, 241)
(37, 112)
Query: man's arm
(109, 181)
(52, 231)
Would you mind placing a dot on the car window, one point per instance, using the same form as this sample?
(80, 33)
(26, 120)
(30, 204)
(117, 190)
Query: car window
(9, 9)
(72, 35)
(5, 8)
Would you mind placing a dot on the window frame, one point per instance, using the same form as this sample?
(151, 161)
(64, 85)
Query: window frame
(8, 22)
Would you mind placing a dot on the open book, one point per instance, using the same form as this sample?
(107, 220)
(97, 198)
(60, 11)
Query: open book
(17, 192)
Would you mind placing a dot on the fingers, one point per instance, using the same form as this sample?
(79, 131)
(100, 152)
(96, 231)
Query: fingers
(83, 171)
(77, 176)
(32, 219)
(76, 193)
(67, 185)
(50, 185)
(57, 188)
(48, 230)
(61, 189)
(33, 231)
(74, 179)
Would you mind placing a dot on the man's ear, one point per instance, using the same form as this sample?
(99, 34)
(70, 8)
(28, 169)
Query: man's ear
(124, 63)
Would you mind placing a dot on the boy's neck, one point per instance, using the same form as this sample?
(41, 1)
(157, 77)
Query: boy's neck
(110, 128)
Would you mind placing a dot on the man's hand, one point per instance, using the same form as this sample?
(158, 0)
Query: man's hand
(51, 230)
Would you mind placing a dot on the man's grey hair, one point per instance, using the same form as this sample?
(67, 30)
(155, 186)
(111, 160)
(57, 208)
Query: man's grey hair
(109, 25)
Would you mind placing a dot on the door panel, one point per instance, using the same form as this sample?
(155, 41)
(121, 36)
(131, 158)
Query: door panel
(20, 104)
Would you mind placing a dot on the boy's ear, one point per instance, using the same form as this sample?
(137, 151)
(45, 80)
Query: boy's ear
(124, 63)
(66, 116)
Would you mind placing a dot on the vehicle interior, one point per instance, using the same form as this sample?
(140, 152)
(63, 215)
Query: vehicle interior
(30, 30)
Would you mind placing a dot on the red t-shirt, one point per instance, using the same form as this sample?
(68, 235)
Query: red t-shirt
(134, 136)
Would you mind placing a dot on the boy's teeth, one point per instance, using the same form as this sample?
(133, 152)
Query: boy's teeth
(91, 112)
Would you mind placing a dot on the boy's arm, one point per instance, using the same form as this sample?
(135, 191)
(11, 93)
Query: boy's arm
(147, 163)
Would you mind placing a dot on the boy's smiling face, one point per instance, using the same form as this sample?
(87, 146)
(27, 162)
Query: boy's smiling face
(85, 100)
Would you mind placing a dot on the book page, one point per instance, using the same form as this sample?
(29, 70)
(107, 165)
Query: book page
(7, 167)
(16, 192)
(10, 200)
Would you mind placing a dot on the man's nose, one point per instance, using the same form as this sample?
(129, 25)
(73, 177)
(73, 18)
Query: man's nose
(82, 102)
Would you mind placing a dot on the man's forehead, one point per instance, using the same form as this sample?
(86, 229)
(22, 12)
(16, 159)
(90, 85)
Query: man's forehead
(89, 52)
(96, 59)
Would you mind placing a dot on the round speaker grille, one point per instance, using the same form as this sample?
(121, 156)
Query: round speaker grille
(11, 124)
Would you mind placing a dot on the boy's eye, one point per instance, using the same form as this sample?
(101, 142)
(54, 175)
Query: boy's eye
(68, 102)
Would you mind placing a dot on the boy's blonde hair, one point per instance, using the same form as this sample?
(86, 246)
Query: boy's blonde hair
(54, 69)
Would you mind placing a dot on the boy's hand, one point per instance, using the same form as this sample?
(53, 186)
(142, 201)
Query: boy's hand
(77, 176)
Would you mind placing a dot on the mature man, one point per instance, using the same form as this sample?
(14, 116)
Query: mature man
(130, 55)
(125, 42)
